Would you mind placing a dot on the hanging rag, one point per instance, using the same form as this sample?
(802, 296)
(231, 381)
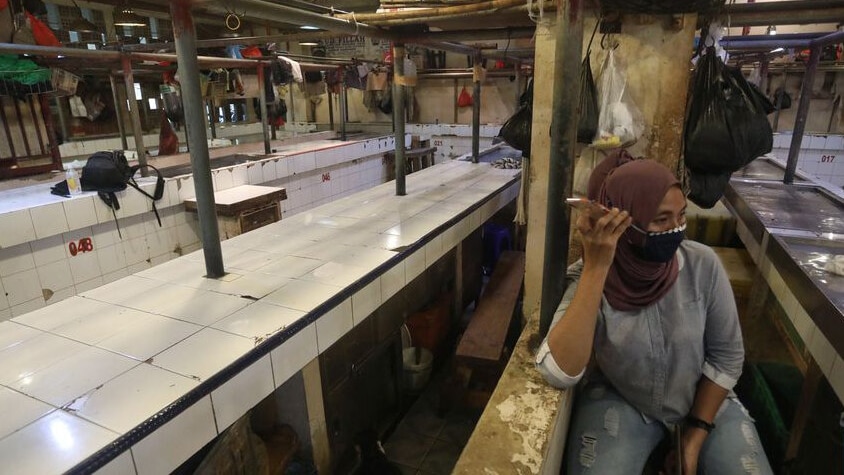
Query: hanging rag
(295, 68)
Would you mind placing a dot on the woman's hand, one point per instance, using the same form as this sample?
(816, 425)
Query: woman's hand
(692, 441)
(599, 237)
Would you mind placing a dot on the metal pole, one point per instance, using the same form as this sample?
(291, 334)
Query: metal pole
(343, 112)
(290, 107)
(398, 118)
(212, 126)
(264, 119)
(476, 110)
(330, 108)
(62, 113)
(185, 36)
(118, 111)
(134, 110)
(802, 113)
(776, 123)
(569, 41)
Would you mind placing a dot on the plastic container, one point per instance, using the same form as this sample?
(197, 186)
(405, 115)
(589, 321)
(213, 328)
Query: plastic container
(417, 367)
(71, 174)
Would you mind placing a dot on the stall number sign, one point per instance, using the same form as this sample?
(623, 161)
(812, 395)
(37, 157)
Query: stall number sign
(83, 245)
(827, 158)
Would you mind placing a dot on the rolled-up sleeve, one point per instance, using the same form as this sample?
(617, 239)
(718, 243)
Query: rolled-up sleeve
(723, 346)
(545, 363)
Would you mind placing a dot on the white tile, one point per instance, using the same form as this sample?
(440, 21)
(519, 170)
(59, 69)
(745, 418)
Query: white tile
(143, 338)
(334, 324)
(433, 251)
(241, 393)
(415, 264)
(291, 266)
(136, 250)
(268, 170)
(17, 228)
(104, 235)
(116, 275)
(249, 260)
(54, 296)
(282, 168)
(204, 353)
(294, 354)
(121, 465)
(259, 321)
(62, 382)
(252, 285)
(336, 274)
(189, 304)
(186, 188)
(302, 295)
(130, 288)
(85, 267)
(133, 397)
(45, 251)
(80, 212)
(22, 287)
(53, 444)
(34, 354)
(817, 142)
(55, 276)
(28, 306)
(89, 285)
(111, 258)
(822, 351)
(49, 220)
(15, 259)
(366, 300)
(392, 281)
(222, 179)
(255, 173)
(302, 163)
(26, 410)
(835, 143)
(13, 333)
(177, 440)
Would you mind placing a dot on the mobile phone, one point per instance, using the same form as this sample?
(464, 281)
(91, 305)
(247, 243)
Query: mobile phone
(592, 207)
(678, 447)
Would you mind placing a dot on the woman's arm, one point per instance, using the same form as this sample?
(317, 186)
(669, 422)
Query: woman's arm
(570, 340)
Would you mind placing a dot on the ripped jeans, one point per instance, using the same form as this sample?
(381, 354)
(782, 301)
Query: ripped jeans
(609, 436)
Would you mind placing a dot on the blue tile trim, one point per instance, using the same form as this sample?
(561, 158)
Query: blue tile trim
(123, 443)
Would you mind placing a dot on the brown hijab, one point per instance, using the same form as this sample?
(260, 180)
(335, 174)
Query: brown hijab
(637, 186)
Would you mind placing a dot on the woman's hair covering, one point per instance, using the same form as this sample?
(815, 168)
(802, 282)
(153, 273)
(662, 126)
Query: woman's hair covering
(637, 186)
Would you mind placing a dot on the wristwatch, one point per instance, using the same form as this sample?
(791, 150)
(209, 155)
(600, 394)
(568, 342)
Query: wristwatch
(692, 421)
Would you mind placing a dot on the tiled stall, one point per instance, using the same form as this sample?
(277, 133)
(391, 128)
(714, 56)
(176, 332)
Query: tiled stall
(821, 156)
(137, 375)
(452, 140)
(52, 247)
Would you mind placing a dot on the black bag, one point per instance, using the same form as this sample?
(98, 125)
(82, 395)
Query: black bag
(516, 131)
(726, 125)
(109, 172)
(385, 105)
(706, 189)
(782, 99)
(587, 122)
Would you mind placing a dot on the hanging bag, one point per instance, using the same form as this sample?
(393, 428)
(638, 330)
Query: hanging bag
(587, 121)
(517, 130)
(7, 25)
(464, 99)
(620, 123)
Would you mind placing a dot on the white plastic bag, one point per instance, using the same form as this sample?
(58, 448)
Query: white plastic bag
(620, 122)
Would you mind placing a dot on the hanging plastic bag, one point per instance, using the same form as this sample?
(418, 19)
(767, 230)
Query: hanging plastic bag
(7, 26)
(516, 131)
(42, 33)
(172, 102)
(620, 122)
(464, 99)
(726, 126)
(168, 141)
(587, 123)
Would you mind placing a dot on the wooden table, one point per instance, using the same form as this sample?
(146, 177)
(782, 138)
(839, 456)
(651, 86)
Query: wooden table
(244, 208)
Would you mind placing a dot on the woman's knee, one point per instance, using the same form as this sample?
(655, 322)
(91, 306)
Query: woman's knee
(734, 446)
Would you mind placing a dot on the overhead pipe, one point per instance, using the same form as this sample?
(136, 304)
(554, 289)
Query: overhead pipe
(564, 105)
(433, 12)
(783, 13)
(815, 48)
(185, 37)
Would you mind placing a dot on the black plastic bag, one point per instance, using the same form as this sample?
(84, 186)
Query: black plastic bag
(726, 126)
(516, 131)
(385, 105)
(782, 99)
(706, 189)
(587, 123)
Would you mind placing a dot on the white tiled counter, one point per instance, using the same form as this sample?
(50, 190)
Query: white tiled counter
(137, 375)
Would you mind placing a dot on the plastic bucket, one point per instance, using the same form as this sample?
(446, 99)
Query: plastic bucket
(416, 374)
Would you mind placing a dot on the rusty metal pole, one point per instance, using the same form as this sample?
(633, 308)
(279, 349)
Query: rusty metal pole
(134, 110)
(398, 118)
(121, 129)
(568, 53)
(802, 113)
(264, 119)
(185, 36)
(476, 109)
(344, 111)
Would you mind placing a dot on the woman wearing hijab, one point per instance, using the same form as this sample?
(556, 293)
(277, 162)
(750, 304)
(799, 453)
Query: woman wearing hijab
(653, 318)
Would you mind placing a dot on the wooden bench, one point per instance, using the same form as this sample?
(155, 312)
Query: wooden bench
(417, 159)
(482, 351)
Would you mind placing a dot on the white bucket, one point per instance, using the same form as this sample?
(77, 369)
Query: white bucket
(416, 376)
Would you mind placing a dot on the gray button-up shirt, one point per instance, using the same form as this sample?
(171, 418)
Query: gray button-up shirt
(655, 356)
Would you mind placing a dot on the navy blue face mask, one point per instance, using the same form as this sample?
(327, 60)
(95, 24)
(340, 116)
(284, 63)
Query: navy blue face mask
(661, 246)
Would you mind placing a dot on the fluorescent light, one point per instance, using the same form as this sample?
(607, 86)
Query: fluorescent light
(778, 50)
(309, 27)
(308, 43)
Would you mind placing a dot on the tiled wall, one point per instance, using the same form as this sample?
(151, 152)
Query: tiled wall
(452, 140)
(820, 155)
(37, 267)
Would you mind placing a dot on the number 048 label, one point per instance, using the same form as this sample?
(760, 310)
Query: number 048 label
(82, 245)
